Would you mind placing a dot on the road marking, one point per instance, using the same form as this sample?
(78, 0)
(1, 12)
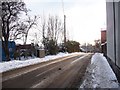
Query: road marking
(57, 66)
(45, 71)
(75, 61)
(21, 73)
(48, 80)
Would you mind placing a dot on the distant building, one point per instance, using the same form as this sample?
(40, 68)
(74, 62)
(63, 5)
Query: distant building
(113, 35)
(103, 42)
(103, 36)
(87, 48)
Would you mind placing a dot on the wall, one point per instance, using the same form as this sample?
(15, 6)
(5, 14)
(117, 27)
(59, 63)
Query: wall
(110, 31)
(0, 34)
(118, 34)
(0, 51)
(113, 36)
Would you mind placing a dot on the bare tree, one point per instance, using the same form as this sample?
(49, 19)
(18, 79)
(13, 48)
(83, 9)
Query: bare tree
(17, 31)
(22, 27)
(29, 23)
(43, 27)
(97, 45)
(10, 14)
(54, 28)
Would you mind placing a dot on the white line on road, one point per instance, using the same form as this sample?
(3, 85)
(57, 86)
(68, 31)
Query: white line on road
(27, 71)
(75, 61)
(45, 71)
(43, 83)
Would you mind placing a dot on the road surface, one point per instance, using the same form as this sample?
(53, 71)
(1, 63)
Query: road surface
(66, 72)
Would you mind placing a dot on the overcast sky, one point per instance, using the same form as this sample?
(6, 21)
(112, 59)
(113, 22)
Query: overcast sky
(84, 18)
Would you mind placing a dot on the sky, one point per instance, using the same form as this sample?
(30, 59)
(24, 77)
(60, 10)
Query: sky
(84, 18)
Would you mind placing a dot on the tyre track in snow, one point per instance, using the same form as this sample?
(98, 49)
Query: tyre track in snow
(54, 74)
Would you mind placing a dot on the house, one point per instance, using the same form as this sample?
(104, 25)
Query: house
(103, 36)
(113, 35)
(103, 42)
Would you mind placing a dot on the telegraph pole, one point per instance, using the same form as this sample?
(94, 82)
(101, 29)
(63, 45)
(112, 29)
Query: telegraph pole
(65, 32)
(64, 26)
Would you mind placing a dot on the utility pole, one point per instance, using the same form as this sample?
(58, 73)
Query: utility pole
(64, 26)
(65, 32)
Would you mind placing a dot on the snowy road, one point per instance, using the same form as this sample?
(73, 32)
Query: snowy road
(59, 73)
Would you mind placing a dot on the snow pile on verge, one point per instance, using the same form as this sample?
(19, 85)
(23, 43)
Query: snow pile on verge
(99, 74)
(5, 66)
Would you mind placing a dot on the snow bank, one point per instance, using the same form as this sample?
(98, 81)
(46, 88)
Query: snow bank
(99, 74)
(5, 66)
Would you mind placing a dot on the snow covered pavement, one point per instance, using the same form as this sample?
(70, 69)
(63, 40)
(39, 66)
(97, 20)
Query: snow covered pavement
(13, 64)
(99, 74)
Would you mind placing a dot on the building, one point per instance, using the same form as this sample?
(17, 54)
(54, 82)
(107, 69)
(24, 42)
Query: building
(103, 42)
(113, 35)
(103, 36)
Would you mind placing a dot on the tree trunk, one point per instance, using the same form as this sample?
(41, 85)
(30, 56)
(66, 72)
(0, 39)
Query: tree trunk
(25, 39)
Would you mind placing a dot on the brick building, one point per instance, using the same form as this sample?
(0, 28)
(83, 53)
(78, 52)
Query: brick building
(103, 36)
(103, 42)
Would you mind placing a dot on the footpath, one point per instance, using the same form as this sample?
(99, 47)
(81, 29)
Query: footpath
(99, 74)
